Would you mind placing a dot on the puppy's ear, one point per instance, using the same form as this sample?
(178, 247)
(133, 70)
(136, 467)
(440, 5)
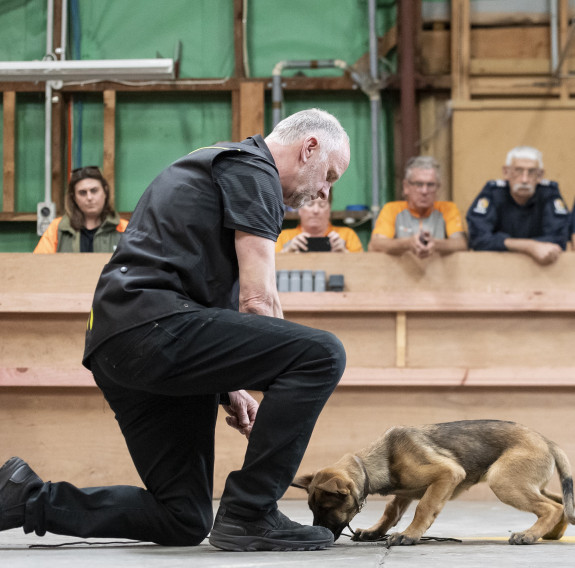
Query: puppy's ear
(302, 481)
(334, 485)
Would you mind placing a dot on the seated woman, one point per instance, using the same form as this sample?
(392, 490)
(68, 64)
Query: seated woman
(315, 222)
(90, 223)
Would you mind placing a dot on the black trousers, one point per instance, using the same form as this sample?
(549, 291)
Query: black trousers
(162, 381)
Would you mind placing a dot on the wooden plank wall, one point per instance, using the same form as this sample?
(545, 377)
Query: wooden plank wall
(473, 335)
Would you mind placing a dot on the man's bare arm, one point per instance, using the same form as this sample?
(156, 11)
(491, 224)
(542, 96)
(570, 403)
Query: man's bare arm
(381, 243)
(456, 242)
(258, 291)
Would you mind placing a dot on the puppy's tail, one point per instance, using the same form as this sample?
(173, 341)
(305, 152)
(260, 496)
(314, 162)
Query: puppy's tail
(566, 477)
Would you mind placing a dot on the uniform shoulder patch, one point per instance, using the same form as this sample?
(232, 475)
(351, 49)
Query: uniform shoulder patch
(559, 207)
(481, 206)
(545, 182)
(500, 183)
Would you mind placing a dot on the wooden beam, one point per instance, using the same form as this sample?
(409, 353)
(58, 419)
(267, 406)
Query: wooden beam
(400, 339)
(248, 109)
(239, 70)
(509, 67)
(539, 104)
(57, 28)
(528, 301)
(563, 41)
(432, 377)
(460, 48)
(109, 165)
(9, 150)
(58, 149)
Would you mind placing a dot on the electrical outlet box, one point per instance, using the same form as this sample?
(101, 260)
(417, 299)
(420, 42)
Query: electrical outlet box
(46, 213)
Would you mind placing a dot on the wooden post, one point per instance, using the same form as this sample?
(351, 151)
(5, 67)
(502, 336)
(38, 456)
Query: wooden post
(109, 165)
(239, 71)
(400, 339)
(563, 34)
(248, 110)
(9, 150)
(58, 154)
(460, 49)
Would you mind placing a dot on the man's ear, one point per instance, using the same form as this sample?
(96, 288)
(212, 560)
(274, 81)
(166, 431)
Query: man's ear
(309, 146)
(303, 481)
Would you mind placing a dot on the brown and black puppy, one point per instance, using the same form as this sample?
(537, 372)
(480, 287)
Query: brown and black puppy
(435, 463)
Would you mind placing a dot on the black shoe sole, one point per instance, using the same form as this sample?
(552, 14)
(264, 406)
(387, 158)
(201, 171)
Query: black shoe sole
(260, 543)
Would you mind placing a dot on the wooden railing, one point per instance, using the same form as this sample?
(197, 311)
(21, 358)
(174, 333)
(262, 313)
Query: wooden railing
(470, 319)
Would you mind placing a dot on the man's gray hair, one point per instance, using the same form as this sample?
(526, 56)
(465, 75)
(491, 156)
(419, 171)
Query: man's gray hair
(423, 163)
(314, 121)
(524, 153)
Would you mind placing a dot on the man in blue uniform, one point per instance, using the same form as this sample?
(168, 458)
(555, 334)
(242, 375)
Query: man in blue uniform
(171, 333)
(522, 212)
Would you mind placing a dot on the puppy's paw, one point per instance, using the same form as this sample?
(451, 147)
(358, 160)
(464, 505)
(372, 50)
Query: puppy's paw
(366, 535)
(522, 538)
(401, 539)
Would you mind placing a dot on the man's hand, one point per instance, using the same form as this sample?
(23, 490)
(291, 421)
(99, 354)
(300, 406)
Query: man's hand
(336, 242)
(423, 244)
(545, 253)
(297, 244)
(242, 412)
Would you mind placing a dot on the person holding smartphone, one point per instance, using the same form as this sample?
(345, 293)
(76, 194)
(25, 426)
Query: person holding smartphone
(420, 224)
(315, 233)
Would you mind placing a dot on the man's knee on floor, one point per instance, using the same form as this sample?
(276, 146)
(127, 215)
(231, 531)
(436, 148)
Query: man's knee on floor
(187, 530)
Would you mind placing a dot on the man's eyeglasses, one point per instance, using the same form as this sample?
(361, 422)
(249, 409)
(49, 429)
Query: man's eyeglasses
(431, 185)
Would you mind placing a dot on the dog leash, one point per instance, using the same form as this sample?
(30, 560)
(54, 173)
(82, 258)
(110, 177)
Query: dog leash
(385, 538)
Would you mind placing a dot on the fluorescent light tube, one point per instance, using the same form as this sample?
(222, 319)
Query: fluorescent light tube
(88, 70)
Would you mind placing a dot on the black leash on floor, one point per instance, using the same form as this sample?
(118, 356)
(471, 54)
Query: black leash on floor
(385, 538)
(85, 542)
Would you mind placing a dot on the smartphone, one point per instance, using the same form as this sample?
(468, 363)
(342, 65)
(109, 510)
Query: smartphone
(318, 244)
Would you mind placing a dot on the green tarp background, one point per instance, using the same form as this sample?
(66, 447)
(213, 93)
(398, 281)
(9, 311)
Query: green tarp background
(154, 129)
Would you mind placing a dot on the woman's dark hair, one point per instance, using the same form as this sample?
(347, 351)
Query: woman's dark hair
(71, 207)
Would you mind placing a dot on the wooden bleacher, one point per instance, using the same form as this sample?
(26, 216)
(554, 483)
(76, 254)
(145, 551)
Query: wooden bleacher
(471, 335)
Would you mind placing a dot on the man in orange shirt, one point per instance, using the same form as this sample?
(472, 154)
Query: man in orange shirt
(420, 224)
(315, 221)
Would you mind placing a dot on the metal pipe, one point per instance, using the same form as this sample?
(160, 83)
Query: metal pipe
(64, 30)
(370, 87)
(554, 23)
(48, 106)
(50, 28)
(375, 103)
(48, 142)
(277, 88)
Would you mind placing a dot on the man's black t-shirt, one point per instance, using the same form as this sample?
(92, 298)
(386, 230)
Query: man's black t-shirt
(178, 251)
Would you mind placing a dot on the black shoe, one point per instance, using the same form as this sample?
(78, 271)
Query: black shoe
(17, 484)
(273, 532)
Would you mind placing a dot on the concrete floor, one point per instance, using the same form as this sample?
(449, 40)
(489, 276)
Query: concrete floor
(482, 527)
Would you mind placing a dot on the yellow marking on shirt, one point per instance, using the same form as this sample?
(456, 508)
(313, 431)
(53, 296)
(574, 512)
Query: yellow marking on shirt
(214, 148)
